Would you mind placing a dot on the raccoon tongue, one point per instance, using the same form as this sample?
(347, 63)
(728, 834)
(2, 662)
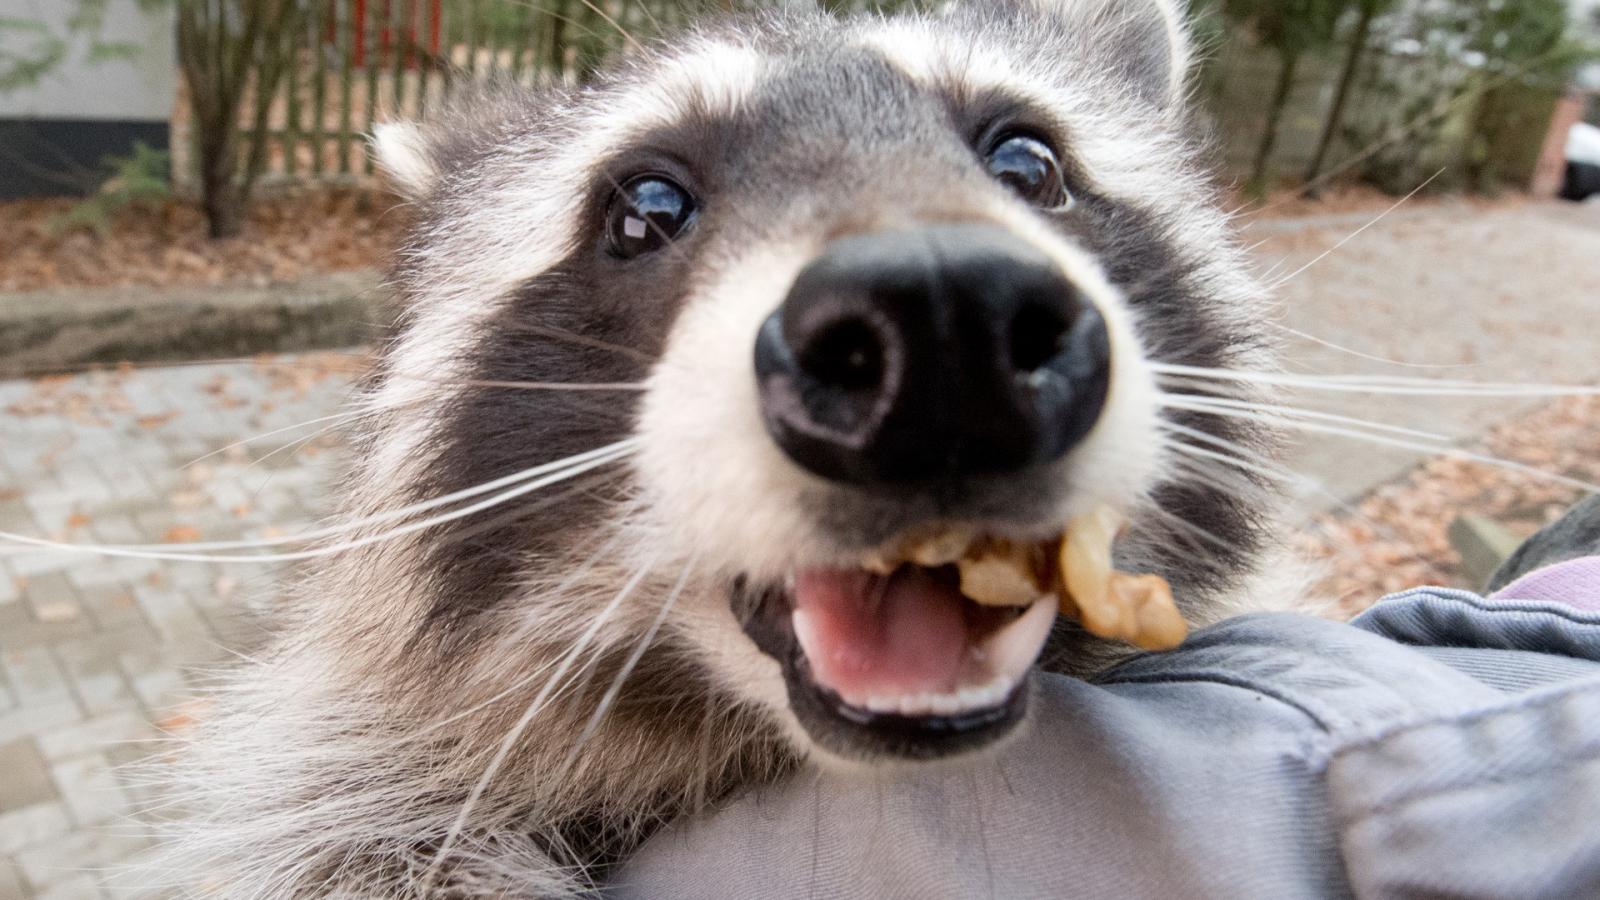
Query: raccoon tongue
(867, 636)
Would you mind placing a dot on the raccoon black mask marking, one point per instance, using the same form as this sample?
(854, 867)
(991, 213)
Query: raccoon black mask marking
(827, 282)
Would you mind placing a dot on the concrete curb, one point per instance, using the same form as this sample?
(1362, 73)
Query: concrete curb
(64, 330)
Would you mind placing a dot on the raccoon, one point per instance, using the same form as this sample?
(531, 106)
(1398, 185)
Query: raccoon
(750, 305)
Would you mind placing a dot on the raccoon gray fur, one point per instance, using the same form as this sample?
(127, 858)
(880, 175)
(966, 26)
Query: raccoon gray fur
(843, 278)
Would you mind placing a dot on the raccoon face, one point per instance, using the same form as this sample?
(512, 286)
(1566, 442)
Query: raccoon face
(875, 277)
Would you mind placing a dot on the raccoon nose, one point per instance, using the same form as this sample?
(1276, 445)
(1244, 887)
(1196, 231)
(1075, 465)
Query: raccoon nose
(923, 356)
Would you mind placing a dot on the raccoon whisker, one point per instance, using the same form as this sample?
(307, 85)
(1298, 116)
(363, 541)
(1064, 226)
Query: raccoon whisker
(552, 386)
(1190, 533)
(583, 340)
(336, 418)
(1300, 480)
(602, 552)
(292, 447)
(601, 457)
(1272, 474)
(466, 532)
(1397, 385)
(583, 29)
(625, 33)
(628, 666)
(388, 515)
(1366, 356)
(1207, 404)
(1450, 451)
(1274, 286)
(355, 414)
(534, 708)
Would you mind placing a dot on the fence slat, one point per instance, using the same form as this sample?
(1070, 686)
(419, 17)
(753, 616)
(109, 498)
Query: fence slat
(347, 74)
(372, 32)
(319, 86)
(291, 82)
(400, 40)
(429, 20)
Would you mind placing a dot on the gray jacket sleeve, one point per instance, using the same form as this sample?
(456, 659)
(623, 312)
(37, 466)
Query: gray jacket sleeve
(1442, 746)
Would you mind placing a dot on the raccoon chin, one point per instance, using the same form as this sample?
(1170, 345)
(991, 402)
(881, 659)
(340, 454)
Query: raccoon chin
(899, 665)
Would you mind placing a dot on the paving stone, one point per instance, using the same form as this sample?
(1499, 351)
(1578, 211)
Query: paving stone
(11, 887)
(93, 674)
(77, 853)
(34, 675)
(23, 630)
(112, 606)
(53, 599)
(102, 570)
(26, 721)
(98, 735)
(31, 825)
(169, 612)
(95, 648)
(9, 591)
(160, 690)
(27, 778)
(76, 887)
(30, 565)
(90, 790)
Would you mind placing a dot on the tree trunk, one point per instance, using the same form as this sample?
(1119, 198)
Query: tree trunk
(1347, 78)
(1269, 135)
(219, 190)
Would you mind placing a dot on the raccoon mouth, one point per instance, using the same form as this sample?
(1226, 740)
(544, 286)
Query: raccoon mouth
(909, 644)
(926, 645)
(899, 664)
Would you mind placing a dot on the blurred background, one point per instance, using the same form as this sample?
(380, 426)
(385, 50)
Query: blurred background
(192, 239)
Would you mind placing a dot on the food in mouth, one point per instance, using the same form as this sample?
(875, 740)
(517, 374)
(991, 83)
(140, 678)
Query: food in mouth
(947, 622)
(1075, 567)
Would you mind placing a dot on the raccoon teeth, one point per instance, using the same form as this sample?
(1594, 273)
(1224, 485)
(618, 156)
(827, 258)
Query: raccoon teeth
(995, 572)
(923, 704)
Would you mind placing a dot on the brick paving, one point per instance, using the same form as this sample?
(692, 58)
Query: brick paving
(97, 654)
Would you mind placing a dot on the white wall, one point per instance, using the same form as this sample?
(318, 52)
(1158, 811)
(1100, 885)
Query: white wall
(140, 89)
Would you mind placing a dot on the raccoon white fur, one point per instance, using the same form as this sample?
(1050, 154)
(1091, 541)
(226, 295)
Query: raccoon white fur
(845, 278)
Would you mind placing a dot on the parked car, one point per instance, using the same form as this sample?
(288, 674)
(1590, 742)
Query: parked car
(1583, 162)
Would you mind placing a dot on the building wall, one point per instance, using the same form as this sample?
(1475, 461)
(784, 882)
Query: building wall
(55, 131)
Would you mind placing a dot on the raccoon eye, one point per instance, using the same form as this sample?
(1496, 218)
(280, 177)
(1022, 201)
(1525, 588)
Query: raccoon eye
(645, 214)
(1028, 166)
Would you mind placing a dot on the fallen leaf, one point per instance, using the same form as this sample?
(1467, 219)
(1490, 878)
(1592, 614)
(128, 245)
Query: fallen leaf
(181, 534)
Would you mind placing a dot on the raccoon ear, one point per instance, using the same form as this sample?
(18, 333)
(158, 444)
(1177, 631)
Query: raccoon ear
(1146, 41)
(405, 154)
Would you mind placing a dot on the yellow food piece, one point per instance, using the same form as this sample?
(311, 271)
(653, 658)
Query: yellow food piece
(940, 548)
(1085, 570)
(1003, 573)
(1138, 609)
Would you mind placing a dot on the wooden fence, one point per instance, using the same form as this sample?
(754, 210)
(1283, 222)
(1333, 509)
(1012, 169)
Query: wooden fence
(355, 63)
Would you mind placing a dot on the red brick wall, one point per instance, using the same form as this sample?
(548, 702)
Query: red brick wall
(1552, 159)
